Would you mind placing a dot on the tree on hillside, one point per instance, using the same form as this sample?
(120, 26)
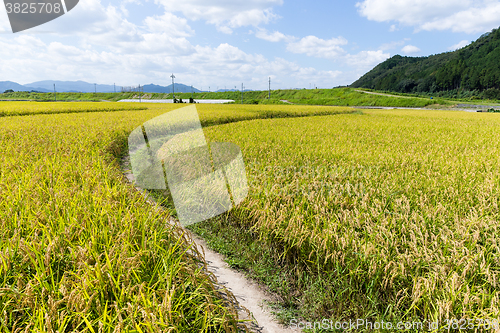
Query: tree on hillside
(472, 68)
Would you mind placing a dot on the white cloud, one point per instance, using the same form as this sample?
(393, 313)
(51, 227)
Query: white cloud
(409, 12)
(410, 49)
(101, 28)
(475, 19)
(229, 64)
(469, 16)
(331, 49)
(101, 44)
(27, 58)
(459, 45)
(170, 24)
(225, 14)
(317, 47)
(104, 44)
(276, 36)
(366, 60)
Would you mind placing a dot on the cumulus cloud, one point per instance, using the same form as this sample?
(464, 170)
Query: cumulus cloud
(469, 16)
(317, 47)
(225, 14)
(228, 64)
(27, 58)
(366, 60)
(410, 49)
(275, 36)
(100, 27)
(100, 43)
(332, 49)
(472, 20)
(459, 45)
(170, 24)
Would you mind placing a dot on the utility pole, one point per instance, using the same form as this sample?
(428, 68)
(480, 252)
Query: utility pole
(95, 89)
(191, 91)
(55, 94)
(269, 88)
(173, 87)
(242, 93)
(140, 95)
(114, 86)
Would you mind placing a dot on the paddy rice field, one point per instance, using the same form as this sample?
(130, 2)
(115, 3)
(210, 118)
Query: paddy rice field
(387, 215)
(381, 214)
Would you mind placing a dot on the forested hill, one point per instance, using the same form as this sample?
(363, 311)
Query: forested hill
(475, 67)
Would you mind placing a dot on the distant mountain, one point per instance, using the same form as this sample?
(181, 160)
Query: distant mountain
(475, 67)
(6, 85)
(72, 86)
(82, 86)
(229, 90)
(179, 87)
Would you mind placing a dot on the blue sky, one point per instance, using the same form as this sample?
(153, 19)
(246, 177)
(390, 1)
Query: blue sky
(223, 43)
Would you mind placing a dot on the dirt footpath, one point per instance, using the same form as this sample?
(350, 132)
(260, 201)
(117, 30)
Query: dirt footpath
(248, 294)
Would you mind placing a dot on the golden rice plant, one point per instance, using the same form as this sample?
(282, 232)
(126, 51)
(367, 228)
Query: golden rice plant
(81, 250)
(30, 108)
(399, 209)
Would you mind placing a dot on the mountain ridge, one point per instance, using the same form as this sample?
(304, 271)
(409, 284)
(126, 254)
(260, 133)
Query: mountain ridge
(86, 87)
(474, 67)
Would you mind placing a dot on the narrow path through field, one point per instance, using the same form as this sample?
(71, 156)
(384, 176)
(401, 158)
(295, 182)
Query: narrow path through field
(248, 293)
(380, 94)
